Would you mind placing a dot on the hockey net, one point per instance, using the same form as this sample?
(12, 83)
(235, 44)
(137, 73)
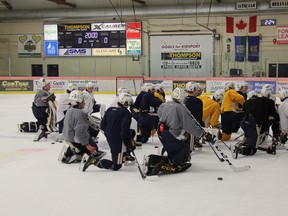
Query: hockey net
(133, 83)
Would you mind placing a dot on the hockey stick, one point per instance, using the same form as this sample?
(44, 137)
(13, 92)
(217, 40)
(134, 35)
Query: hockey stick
(144, 177)
(222, 157)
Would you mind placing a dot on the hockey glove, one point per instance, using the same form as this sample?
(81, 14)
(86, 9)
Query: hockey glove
(130, 145)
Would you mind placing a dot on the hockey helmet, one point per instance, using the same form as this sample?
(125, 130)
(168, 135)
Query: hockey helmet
(192, 87)
(243, 85)
(218, 96)
(123, 90)
(200, 88)
(251, 94)
(71, 87)
(149, 87)
(158, 86)
(178, 94)
(76, 97)
(283, 94)
(125, 99)
(43, 82)
(266, 90)
(229, 85)
(90, 85)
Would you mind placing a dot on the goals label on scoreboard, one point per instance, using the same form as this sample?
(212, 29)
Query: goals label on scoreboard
(93, 39)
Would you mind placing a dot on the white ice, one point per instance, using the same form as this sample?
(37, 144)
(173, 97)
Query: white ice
(34, 183)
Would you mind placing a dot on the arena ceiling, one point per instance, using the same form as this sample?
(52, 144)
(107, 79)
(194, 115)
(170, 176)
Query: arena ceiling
(48, 10)
(62, 4)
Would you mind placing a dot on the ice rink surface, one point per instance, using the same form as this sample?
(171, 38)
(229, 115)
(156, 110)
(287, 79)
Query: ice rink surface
(35, 183)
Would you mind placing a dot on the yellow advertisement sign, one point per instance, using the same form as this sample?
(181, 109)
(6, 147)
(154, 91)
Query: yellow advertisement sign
(108, 51)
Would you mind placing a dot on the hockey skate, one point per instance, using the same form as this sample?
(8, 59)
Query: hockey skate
(129, 159)
(235, 150)
(92, 159)
(272, 149)
(40, 134)
(61, 155)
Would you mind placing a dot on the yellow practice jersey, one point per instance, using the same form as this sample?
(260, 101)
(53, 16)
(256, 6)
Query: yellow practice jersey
(230, 100)
(211, 112)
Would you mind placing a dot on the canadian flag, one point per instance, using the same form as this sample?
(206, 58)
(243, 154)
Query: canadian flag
(241, 25)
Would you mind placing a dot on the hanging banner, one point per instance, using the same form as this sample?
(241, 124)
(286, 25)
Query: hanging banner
(253, 48)
(240, 48)
(29, 46)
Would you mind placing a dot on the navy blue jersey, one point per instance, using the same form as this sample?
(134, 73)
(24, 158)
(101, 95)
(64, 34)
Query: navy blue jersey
(138, 100)
(150, 103)
(195, 106)
(116, 126)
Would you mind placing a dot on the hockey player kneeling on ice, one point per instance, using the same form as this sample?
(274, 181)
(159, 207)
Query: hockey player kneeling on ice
(255, 125)
(75, 131)
(283, 115)
(40, 106)
(148, 119)
(116, 126)
(175, 126)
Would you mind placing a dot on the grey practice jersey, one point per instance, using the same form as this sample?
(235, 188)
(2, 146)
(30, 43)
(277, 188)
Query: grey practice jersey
(178, 118)
(38, 98)
(76, 126)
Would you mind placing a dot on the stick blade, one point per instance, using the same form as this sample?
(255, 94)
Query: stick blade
(152, 178)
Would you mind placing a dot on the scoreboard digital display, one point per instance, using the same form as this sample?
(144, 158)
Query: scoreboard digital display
(105, 39)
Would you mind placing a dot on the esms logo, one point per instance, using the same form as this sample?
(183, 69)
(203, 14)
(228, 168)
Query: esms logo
(75, 52)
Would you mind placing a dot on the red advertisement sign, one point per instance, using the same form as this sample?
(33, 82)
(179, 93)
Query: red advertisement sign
(282, 35)
(133, 30)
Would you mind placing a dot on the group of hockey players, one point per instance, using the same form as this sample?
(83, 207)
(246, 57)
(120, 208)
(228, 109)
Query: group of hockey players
(180, 123)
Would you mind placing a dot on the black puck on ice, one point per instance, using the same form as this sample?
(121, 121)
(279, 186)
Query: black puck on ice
(155, 146)
(220, 178)
(52, 142)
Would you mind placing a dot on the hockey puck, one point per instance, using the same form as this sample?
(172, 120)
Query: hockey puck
(220, 178)
(52, 142)
(155, 146)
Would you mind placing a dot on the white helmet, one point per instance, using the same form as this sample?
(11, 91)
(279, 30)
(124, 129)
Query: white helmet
(90, 85)
(76, 97)
(200, 88)
(218, 96)
(71, 87)
(158, 87)
(192, 87)
(251, 94)
(148, 87)
(229, 85)
(178, 94)
(283, 94)
(267, 86)
(266, 93)
(125, 99)
(43, 82)
(123, 90)
(243, 85)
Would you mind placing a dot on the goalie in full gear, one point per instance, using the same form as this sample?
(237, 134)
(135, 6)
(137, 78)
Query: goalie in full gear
(40, 106)
(116, 126)
(75, 131)
(175, 126)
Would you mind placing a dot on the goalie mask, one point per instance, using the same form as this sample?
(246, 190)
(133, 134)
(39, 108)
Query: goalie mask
(178, 95)
(76, 97)
(125, 99)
